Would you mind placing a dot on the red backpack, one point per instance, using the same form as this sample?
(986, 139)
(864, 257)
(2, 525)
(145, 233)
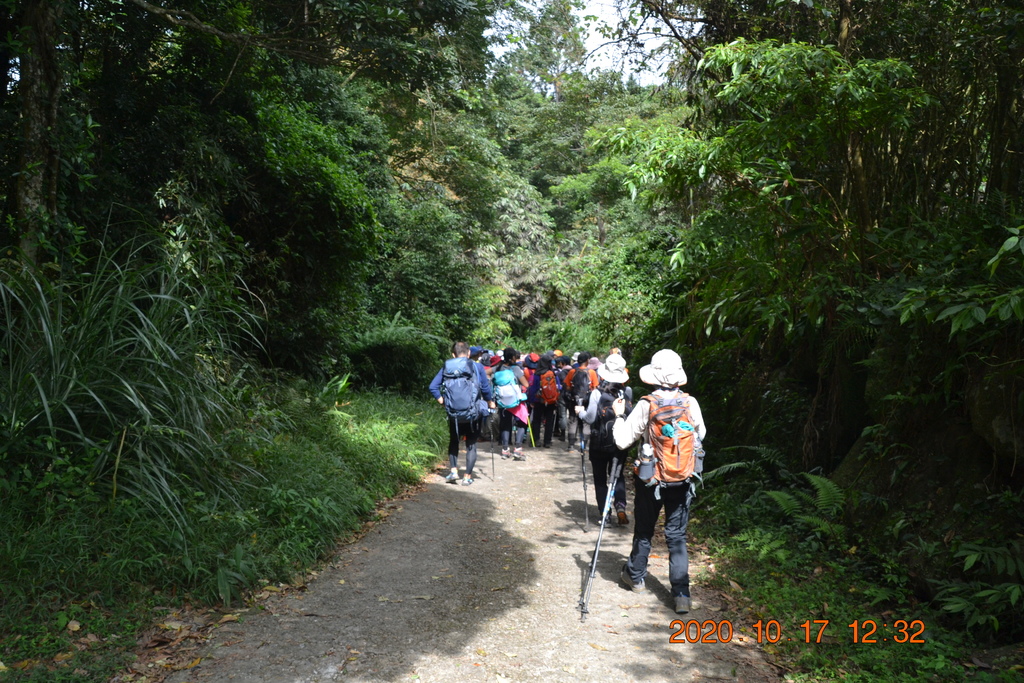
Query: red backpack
(678, 454)
(549, 390)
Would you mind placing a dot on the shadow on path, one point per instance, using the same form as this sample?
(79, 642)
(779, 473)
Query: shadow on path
(478, 583)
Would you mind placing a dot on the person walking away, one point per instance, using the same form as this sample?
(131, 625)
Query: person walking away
(530, 362)
(563, 366)
(482, 357)
(509, 392)
(461, 386)
(543, 393)
(579, 383)
(670, 422)
(600, 415)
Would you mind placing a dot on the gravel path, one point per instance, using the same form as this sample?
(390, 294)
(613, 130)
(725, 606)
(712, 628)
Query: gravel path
(480, 583)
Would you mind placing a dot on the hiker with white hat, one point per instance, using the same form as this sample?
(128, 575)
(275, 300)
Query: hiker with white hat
(600, 415)
(670, 422)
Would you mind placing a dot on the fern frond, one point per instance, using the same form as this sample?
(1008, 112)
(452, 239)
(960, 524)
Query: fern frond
(823, 525)
(722, 470)
(789, 504)
(766, 455)
(830, 498)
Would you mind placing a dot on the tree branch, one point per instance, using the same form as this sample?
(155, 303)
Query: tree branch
(286, 42)
(668, 18)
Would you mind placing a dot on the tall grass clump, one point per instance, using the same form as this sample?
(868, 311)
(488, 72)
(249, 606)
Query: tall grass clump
(110, 382)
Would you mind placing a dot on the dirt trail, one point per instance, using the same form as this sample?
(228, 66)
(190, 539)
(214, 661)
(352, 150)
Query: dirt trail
(480, 583)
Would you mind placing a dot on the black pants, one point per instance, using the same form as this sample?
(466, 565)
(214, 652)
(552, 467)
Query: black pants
(511, 429)
(546, 414)
(601, 463)
(470, 430)
(676, 501)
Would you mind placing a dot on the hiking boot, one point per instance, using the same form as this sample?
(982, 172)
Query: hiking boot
(682, 604)
(452, 478)
(518, 455)
(467, 480)
(636, 586)
(505, 454)
(623, 517)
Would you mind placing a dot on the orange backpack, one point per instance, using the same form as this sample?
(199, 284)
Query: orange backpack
(548, 388)
(678, 454)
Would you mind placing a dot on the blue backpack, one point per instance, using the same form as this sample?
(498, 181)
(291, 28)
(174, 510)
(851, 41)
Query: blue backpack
(461, 389)
(507, 393)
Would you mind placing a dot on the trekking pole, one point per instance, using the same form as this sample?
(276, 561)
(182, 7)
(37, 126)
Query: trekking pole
(529, 428)
(585, 597)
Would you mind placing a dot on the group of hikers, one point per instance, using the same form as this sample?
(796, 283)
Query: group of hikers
(548, 394)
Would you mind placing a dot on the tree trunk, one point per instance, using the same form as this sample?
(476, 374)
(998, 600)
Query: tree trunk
(1007, 131)
(39, 88)
(845, 27)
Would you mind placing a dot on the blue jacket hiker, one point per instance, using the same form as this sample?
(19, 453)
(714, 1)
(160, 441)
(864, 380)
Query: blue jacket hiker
(543, 395)
(462, 387)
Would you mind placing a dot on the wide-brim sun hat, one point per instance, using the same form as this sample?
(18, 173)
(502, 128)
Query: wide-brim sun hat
(664, 370)
(614, 370)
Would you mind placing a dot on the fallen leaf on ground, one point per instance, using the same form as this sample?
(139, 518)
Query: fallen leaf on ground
(482, 652)
(272, 588)
(63, 656)
(735, 586)
(74, 625)
(598, 647)
(423, 597)
(342, 582)
(228, 617)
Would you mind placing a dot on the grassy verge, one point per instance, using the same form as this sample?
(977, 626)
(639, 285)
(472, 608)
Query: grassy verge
(823, 603)
(83, 574)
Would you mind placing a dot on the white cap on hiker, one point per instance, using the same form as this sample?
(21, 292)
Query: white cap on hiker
(664, 370)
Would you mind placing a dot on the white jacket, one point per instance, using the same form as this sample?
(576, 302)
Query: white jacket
(628, 430)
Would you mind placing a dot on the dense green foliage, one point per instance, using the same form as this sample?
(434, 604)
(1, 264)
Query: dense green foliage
(216, 218)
